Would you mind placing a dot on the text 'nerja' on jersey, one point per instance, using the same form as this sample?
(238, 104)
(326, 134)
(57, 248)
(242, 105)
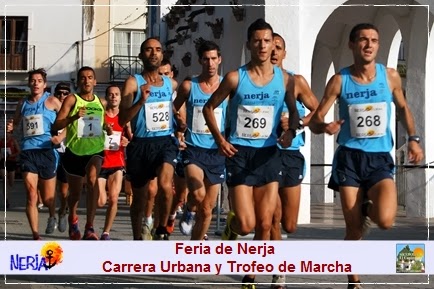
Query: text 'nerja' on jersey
(155, 116)
(299, 139)
(198, 133)
(255, 110)
(37, 120)
(85, 136)
(366, 109)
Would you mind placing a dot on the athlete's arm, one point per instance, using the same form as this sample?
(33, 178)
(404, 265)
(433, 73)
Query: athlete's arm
(332, 92)
(285, 139)
(179, 104)
(17, 117)
(63, 119)
(306, 96)
(126, 108)
(415, 153)
(226, 87)
(17, 148)
(57, 139)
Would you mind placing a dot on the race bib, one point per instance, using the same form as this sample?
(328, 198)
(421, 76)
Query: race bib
(368, 120)
(7, 151)
(199, 124)
(158, 116)
(89, 126)
(33, 125)
(254, 122)
(112, 142)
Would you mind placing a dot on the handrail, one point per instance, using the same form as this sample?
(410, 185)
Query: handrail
(122, 66)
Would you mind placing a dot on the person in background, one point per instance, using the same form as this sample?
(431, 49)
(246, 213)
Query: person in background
(61, 91)
(10, 150)
(38, 158)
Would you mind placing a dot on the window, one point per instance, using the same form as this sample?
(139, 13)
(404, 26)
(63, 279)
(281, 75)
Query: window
(13, 42)
(127, 43)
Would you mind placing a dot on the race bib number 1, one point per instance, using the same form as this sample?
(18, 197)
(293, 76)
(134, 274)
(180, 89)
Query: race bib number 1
(33, 125)
(255, 122)
(368, 120)
(199, 125)
(89, 126)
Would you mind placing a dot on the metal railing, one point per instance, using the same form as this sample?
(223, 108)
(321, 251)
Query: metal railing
(400, 176)
(123, 66)
(31, 57)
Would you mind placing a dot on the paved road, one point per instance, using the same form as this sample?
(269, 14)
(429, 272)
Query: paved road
(326, 224)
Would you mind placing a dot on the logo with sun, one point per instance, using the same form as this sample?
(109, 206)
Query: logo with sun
(52, 253)
(410, 258)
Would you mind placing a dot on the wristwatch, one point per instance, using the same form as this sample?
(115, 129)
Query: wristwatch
(300, 123)
(415, 138)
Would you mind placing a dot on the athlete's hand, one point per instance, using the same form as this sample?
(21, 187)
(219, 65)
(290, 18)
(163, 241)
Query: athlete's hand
(56, 140)
(10, 125)
(333, 127)
(227, 149)
(108, 127)
(415, 153)
(284, 122)
(146, 91)
(285, 139)
(80, 113)
(181, 140)
(124, 141)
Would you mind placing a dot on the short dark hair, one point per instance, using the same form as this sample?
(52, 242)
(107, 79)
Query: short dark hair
(166, 61)
(361, 26)
(40, 71)
(85, 68)
(259, 24)
(108, 88)
(283, 39)
(62, 86)
(208, 46)
(142, 46)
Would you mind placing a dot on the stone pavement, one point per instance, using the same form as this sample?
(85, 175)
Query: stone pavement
(326, 224)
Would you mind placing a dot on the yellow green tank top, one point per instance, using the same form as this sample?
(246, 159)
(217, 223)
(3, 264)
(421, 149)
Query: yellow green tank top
(85, 135)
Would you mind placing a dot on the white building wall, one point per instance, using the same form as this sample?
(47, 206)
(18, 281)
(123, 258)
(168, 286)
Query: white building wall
(316, 34)
(53, 29)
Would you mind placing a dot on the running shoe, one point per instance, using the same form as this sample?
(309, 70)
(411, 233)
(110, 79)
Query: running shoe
(147, 232)
(89, 234)
(228, 234)
(170, 226)
(161, 234)
(186, 223)
(63, 221)
(51, 225)
(105, 237)
(74, 231)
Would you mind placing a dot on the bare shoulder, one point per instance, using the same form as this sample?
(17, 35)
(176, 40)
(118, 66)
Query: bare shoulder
(53, 103)
(231, 78)
(394, 78)
(392, 73)
(174, 84)
(185, 85)
(130, 84)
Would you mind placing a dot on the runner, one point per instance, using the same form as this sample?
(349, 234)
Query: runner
(362, 166)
